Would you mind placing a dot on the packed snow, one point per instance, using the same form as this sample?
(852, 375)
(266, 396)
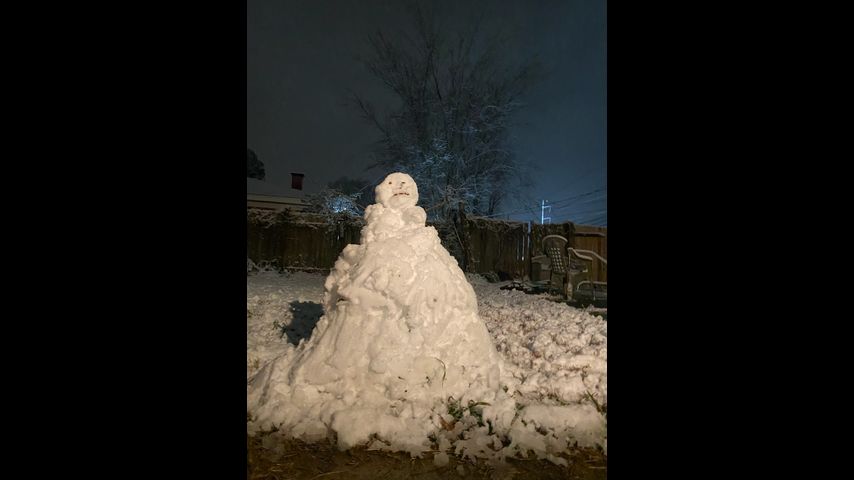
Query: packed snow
(399, 350)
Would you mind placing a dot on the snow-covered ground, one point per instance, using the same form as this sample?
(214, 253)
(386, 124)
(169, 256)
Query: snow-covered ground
(557, 355)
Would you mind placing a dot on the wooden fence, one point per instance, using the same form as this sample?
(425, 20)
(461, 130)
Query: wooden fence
(505, 248)
(305, 242)
(596, 239)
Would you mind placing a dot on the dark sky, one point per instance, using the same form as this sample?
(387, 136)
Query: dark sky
(301, 62)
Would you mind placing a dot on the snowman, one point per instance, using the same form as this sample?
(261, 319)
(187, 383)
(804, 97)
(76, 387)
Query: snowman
(400, 332)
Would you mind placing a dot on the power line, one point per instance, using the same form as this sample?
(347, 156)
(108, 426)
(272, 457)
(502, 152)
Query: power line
(579, 178)
(594, 214)
(596, 203)
(552, 204)
(525, 210)
(572, 197)
(579, 196)
(583, 212)
(583, 204)
(593, 197)
(594, 219)
(564, 203)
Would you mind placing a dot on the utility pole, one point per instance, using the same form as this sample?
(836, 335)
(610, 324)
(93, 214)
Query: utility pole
(543, 216)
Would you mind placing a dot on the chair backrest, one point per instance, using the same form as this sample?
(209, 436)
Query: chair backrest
(555, 247)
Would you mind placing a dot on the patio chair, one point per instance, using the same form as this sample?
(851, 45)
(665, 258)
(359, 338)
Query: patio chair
(555, 247)
(580, 268)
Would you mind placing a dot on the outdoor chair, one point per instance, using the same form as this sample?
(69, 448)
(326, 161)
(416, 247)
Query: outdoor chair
(555, 247)
(569, 267)
(580, 268)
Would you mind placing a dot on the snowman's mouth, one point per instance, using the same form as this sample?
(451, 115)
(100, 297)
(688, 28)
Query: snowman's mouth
(400, 193)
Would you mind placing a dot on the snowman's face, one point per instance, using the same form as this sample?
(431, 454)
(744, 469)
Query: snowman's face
(397, 191)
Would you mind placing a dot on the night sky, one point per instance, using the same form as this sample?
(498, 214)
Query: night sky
(302, 62)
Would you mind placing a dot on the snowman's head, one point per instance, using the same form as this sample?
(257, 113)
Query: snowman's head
(397, 191)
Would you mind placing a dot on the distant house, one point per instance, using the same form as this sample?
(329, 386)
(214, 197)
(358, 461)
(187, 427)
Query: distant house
(273, 202)
(267, 196)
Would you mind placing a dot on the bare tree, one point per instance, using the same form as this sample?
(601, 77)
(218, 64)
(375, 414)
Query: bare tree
(360, 189)
(254, 167)
(331, 201)
(451, 129)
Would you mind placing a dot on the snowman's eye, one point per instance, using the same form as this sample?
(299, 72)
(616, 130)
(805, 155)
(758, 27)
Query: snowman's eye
(389, 183)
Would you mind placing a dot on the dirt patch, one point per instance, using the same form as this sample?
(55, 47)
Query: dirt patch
(275, 458)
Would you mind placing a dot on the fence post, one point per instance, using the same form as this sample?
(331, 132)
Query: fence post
(464, 237)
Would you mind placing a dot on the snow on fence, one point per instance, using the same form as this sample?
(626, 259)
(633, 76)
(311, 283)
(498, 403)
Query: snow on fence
(305, 242)
(313, 242)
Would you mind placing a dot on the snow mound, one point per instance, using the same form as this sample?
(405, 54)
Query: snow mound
(401, 360)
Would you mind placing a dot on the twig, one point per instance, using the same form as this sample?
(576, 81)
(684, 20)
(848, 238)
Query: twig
(444, 370)
(327, 473)
(593, 399)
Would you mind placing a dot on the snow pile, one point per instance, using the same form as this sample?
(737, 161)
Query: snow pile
(279, 314)
(401, 360)
(556, 351)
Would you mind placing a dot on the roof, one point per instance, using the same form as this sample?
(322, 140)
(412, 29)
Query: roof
(260, 187)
